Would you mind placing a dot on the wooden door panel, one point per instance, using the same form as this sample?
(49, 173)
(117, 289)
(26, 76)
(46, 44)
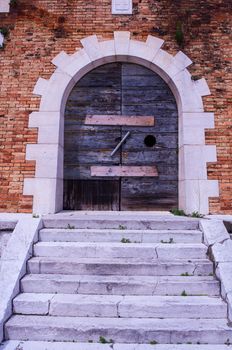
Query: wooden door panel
(148, 156)
(136, 140)
(91, 195)
(99, 92)
(90, 140)
(97, 156)
(158, 108)
(83, 172)
(148, 194)
(145, 93)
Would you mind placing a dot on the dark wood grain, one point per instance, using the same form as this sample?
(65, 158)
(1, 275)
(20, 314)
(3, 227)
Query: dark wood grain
(91, 195)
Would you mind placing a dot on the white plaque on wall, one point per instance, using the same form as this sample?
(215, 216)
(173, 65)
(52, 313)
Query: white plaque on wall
(121, 7)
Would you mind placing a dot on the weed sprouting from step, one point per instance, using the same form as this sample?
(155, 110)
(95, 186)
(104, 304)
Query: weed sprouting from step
(70, 227)
(184, 294)
(171, 240)
(153, 342)
(228, 342)
(19, 347)
(122, 227)
(178, 212)
(186, 274)
(103, 340)
(195, 214)
(125, 240)
(211, 274)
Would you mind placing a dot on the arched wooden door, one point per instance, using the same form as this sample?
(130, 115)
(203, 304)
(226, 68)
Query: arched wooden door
(114, 102)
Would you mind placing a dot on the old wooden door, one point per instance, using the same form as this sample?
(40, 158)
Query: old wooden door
(121, 92)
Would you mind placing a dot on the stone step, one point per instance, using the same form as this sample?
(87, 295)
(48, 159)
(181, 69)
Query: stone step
(39, 345)
(116, 250)
(120, 306)
(120, 330)
(140, 236)
(128, 221)
(121, 266)
(120, 285)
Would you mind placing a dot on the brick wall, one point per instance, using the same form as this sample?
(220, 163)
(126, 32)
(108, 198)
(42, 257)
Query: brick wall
(39, 30)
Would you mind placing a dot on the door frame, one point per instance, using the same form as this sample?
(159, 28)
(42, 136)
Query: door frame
(193, 185)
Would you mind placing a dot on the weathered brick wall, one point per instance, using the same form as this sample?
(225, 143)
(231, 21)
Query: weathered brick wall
(39, 30)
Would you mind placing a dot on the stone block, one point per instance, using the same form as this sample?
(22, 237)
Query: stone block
(77, 65)
(122, 7)
(58, 89)
(214, 231)
(41, 87)
(47, 194)
(140, 49)
(181, 60)
(62, 60)
(163, 59)
(192, 128)
(222, 252)
(122, 43)
(194, 195)
(4, 6)
(190, 102)
(49, 160)
(154, 43)
(91, 47)
(193, 159)
(107, 48)
(224, 273)
(32, 304)
(229, 301)
(51, 127)
(202, 87)
(1, 38)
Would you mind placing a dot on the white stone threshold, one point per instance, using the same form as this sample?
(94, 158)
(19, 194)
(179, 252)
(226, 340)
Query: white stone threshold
(14, 259)
(30, 345)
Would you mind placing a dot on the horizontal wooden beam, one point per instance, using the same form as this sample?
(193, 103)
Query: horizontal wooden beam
(120, 120)
(122, 170)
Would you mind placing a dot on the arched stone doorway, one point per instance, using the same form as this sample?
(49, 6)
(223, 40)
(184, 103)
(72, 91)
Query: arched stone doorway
(119, 96)
(47, 185)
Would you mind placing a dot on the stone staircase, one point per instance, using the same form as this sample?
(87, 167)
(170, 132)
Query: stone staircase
(120, 281)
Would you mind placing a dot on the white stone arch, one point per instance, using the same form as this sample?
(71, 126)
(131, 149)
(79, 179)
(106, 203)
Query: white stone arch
(47, 186)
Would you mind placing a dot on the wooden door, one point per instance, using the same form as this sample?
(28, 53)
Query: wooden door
(127, 90)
